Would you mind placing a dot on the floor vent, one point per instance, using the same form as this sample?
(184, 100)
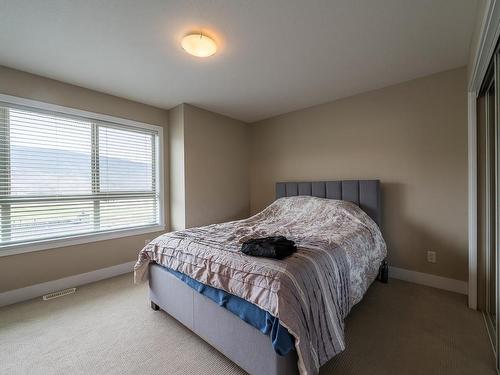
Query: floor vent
(60, 293)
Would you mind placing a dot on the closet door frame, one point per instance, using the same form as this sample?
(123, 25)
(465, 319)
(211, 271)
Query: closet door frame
(484, 49)
(489, 123)
(496, 245)
(489, 204)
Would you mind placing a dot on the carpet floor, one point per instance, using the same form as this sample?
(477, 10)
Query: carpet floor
(108, 328)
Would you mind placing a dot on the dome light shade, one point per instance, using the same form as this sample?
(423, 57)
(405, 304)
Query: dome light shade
(199, 45)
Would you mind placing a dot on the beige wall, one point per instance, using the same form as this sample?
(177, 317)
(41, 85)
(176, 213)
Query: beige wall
(21, 270)
(214, 185)
(176, 159)
(217, 167)
(482, 7)
(413, 136)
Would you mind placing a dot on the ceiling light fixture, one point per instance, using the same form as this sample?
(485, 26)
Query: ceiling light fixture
(199, 45)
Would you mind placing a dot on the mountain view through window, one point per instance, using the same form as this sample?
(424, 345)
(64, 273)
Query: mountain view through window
(62, 176)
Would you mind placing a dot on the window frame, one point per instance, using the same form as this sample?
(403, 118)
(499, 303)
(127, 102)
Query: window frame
(45, 244)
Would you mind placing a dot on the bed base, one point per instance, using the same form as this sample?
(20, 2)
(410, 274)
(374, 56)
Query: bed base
(383, 272)
(154, 306)
(240, 342)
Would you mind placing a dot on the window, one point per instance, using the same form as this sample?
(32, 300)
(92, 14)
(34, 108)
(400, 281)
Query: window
(63, 175)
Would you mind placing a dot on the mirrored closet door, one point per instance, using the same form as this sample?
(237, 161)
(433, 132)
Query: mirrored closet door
(488, 199)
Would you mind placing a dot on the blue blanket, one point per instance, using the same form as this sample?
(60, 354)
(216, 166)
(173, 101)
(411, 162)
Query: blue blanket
(282, 340)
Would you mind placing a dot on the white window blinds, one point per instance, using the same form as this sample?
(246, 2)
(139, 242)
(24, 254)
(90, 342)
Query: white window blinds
(64, 176)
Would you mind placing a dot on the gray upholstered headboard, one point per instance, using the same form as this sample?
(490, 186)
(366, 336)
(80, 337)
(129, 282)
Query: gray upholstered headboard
(365, 193)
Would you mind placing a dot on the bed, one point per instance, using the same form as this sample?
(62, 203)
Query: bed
(177, 267)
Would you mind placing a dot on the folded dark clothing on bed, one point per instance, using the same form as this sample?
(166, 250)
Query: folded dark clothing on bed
(269, 247)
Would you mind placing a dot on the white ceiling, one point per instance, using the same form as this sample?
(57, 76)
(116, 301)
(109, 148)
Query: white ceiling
(275, 55)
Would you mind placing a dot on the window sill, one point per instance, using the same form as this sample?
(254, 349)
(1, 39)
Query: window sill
(76, 240)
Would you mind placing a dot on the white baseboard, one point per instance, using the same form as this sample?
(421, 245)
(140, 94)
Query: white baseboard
(453, 285)
(37, 290)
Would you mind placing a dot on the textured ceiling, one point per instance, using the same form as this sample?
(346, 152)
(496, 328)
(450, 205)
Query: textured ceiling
(275, 55)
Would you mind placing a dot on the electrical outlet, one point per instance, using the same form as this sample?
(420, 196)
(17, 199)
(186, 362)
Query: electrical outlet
(431, 257)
